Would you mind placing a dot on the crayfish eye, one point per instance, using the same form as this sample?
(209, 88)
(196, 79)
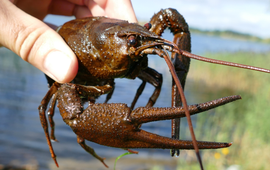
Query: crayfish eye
(148, 26)
(132, 40)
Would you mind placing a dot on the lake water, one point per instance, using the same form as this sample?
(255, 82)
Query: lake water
(22, 138)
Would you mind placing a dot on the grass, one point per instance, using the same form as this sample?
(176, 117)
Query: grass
(244, 122)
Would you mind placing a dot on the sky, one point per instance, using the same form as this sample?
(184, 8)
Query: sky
(245, 16)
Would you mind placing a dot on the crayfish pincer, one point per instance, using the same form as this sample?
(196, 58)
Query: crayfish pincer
(116, 125)
(108, 49)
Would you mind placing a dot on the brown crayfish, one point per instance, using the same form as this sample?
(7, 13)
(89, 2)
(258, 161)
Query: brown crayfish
(110, 48)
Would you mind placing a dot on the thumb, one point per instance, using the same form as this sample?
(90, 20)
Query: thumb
(36, 43)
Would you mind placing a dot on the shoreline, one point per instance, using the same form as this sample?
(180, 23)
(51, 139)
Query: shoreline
(226, 34)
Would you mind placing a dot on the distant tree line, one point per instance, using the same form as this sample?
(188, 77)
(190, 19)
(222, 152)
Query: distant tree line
(230, 34)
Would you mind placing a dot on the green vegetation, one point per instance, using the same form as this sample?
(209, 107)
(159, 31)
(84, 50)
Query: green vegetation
(244, 122)
(127, 153)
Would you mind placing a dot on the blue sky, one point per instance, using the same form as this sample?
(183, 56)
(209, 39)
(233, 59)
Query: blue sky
(246, 16)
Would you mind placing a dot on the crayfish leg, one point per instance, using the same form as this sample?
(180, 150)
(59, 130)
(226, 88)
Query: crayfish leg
(42, 108)
(172, 19)
(50, 117)
(151, 76)
(109, 95)
(181, 65)
(132, 151)
(155, 78)
(90, 150)
(137, 95)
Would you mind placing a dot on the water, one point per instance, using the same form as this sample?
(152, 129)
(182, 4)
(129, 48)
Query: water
(22, 87)
(217, 44)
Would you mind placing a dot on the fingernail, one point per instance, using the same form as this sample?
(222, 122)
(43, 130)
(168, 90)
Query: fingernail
(57, 64)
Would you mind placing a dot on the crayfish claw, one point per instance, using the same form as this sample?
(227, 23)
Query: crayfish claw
(144, 139)
(147, 114)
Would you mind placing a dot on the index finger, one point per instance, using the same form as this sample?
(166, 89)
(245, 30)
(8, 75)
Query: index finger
(121, 9)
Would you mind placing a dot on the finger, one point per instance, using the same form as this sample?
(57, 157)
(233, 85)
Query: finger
(81, 12)
(64, 7)
(95, 8)
(61, 7)
(39, 9)
(36, 43)
(77, 2)
(121, 9)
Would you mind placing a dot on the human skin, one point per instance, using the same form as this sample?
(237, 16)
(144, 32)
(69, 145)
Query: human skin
(23, 31)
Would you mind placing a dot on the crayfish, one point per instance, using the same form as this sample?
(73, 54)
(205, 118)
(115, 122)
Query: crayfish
(108, 49)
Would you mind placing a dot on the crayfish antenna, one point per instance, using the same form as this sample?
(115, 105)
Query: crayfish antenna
(209, 60)
(184, 102)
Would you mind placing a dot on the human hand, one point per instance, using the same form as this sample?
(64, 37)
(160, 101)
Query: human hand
(23, 31)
